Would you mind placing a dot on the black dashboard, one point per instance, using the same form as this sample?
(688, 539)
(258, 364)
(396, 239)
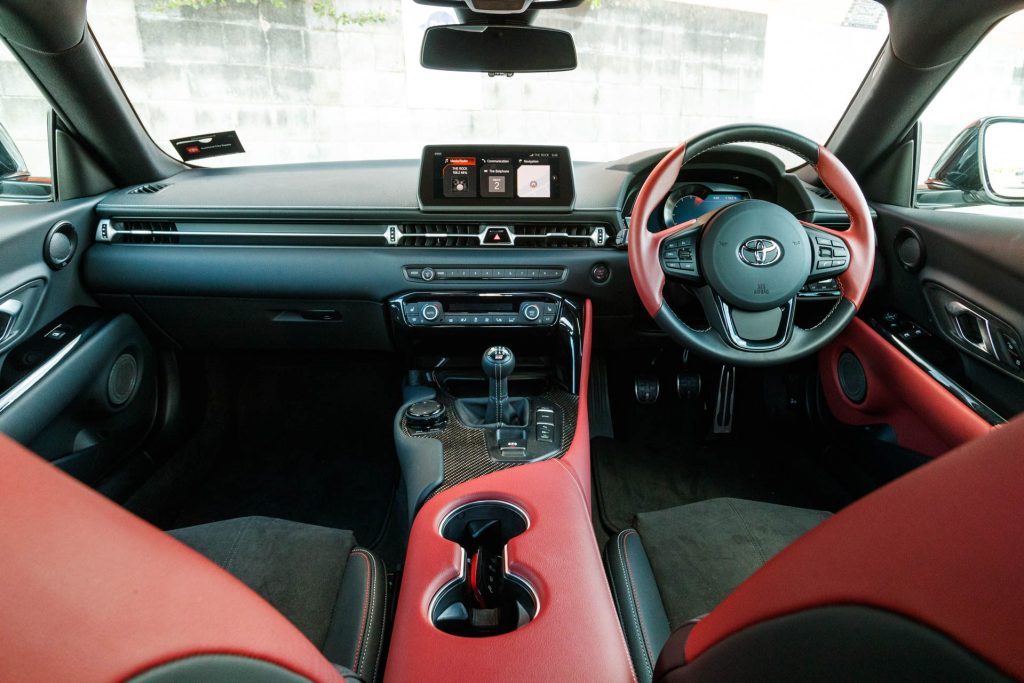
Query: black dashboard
(314, 255)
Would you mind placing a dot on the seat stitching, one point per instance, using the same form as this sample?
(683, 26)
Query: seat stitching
(234, 546)
(750, 534)
(380, 641)
(626, 567)
(367, 598)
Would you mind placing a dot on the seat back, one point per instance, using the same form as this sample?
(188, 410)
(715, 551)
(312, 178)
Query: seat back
(922, 576)
(90, 592)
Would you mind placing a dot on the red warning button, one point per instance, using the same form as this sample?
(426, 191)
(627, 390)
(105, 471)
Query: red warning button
(497, 236)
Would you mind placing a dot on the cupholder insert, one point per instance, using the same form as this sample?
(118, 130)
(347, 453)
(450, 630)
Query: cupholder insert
(485, 600)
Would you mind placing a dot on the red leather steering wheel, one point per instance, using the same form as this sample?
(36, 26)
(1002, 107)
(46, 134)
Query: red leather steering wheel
(746, 261)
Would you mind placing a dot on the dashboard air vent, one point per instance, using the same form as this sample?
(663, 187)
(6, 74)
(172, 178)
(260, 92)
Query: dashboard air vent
(559, 236)
(496, 236)
(149, 188)
(823, 192)
(439, 235)
(147, 232)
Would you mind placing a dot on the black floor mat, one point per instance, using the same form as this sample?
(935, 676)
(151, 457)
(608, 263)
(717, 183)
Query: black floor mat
(307, 440)
(639, 475)
(663, 456)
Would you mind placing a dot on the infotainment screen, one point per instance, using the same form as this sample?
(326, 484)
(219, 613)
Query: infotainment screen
(496, 176)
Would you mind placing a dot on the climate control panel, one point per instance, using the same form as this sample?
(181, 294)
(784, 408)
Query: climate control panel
(476, 310)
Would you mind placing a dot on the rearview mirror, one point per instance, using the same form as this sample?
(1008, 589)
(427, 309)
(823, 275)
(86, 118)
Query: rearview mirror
(1002, 159)
(497, 49)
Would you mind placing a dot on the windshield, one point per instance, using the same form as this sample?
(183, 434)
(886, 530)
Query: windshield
(316, 80)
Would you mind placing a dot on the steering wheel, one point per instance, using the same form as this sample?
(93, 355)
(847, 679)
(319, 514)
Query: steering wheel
(747, 261)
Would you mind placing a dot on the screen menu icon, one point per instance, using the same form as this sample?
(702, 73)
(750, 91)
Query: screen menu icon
(496, 178)
(459, 177)
(533, 180)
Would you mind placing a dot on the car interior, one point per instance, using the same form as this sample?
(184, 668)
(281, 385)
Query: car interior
(740, 408)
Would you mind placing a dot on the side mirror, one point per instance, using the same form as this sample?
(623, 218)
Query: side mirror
(504, 49)
(1001, 155)
(16, 184)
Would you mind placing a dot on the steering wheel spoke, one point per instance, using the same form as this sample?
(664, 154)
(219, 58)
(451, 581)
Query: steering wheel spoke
(678, 254)
(754, 331)
(831, 253)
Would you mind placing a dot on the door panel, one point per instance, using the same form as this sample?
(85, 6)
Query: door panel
(955, 301)
(77, 384)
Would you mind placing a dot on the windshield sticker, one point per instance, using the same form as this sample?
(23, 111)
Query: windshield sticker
(208, 145)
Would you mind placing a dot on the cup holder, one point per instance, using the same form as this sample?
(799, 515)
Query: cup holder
(485, 600)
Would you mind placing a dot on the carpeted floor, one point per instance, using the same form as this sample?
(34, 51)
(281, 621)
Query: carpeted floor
(307, 439)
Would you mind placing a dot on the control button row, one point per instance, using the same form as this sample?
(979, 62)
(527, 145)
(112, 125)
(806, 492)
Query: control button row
(433, 313)
(679, 256)
(432, 273)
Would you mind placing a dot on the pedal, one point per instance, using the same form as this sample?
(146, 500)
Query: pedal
(725, 400)
(647, 388)
(688, 385)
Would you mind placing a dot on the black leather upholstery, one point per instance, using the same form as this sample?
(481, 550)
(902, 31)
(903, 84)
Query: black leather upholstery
(678, 564)
(838, 643)
(638, 600)
(751, 133)
(333, 591)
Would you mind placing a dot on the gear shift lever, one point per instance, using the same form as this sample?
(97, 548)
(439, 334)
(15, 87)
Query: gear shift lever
(498, 364)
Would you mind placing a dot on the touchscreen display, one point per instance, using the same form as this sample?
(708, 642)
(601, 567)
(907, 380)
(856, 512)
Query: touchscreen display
(496, 176)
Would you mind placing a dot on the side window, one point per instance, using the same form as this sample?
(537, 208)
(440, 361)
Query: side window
(24, 153)
(972, 156)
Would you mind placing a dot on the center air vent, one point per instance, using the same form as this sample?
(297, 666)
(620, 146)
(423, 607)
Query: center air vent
(524, 235)
(439, 235)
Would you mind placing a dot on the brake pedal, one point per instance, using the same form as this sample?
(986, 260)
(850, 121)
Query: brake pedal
(647, 388)
(725, 400)
(688, 385)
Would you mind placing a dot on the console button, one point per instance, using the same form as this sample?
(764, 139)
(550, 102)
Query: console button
(427, 274)
(431, 312)
(548, 320)
(531, 312)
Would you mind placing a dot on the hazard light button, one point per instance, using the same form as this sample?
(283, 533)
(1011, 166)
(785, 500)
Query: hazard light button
(497, 235)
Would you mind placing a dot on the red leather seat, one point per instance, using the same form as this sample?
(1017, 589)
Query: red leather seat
(921, 580)
(90, 592)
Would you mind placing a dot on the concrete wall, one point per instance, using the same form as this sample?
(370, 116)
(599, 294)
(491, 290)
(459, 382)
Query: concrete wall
(299, 87)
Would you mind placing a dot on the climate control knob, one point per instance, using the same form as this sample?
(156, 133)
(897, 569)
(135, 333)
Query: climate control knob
(431, 312)
(531, 312)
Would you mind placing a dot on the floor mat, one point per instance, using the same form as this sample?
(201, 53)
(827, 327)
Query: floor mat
(663, 455)
(309, 441)
(639, 475)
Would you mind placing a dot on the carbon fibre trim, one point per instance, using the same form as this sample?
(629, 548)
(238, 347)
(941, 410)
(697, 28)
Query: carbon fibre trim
(465, 448)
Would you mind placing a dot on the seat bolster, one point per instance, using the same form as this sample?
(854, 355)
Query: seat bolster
(355, 638)
(638, 600)
(673, 655)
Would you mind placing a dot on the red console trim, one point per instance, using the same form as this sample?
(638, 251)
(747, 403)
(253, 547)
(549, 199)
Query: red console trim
(92, 593)
(925, 416)
(576, 633)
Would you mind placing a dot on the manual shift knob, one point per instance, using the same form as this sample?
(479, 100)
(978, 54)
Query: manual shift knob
(498, 362)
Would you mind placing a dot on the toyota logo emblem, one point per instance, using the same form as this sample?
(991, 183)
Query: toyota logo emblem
(760, 252)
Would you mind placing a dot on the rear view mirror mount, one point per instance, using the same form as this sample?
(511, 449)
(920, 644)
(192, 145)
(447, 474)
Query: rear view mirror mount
(497, 49)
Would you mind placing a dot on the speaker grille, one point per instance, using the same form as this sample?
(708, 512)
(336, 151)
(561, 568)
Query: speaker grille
(852, 379)
(123, 379)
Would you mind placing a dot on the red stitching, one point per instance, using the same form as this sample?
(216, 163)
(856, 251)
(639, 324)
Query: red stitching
(366, 604)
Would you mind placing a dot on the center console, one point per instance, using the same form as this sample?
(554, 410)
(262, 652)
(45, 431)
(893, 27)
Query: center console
(503, 579)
